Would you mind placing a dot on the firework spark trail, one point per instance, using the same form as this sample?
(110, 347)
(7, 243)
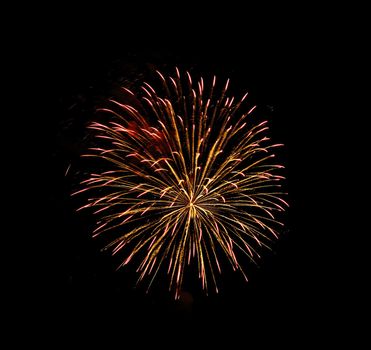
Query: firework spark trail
(189, 172)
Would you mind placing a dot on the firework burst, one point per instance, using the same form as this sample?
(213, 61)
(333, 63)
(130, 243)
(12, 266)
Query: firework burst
(188, 177)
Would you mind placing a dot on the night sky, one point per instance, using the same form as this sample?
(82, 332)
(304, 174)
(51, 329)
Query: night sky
(292, 290)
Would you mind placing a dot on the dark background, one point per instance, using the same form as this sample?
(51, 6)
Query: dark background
(297, 294)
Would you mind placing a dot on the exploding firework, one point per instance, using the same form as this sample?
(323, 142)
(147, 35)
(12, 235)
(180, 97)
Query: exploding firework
(186, 177)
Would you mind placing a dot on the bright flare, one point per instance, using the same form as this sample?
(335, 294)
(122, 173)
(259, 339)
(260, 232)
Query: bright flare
(189, 178)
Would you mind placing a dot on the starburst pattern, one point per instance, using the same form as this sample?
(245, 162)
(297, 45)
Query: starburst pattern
(188, 178)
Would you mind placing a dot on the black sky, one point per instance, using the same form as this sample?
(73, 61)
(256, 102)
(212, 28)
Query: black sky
(77, 290)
